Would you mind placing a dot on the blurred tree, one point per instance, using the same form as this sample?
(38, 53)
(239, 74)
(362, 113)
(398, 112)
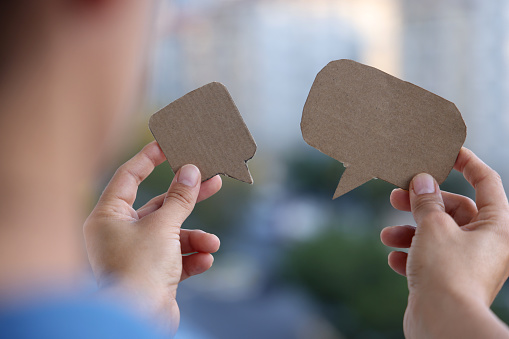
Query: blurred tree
(316, 174)
(349, 276)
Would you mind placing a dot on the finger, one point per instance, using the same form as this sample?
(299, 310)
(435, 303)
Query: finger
(196, 264)
(210, 187)
(182, 195)
(124, 184)
(398, 236)
(207, 189)
(192, 241)
(151, 206)
(461, 208)
(426, 202)
(397, 261)
(400, 200)
(489, 190)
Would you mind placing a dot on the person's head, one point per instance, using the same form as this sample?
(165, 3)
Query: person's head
(70, 71)
(79, 62)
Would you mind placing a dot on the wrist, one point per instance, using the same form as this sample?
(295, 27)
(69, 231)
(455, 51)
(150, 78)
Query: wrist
(154, 304)
(440, 314)
(142, 294)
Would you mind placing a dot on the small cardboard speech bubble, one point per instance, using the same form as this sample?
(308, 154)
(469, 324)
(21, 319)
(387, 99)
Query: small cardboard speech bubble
(205, 128)
(379, 126)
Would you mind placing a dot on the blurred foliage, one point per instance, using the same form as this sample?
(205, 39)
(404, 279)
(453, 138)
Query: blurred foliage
(501, 305)
(349, 276)
(314, 173)
(343, 269)
(223, 213)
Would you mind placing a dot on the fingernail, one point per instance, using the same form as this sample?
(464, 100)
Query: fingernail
(424, 184)
(189, 175)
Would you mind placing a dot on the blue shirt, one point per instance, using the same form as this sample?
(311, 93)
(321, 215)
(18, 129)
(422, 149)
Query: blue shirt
(72, 318)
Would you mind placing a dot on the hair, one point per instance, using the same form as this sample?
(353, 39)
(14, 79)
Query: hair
(20, 29)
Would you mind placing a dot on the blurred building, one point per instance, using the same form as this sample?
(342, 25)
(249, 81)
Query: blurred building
(268, 53)
(459, 50)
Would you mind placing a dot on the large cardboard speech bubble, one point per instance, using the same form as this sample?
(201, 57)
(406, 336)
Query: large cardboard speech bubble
(379, 126)
(205, 128)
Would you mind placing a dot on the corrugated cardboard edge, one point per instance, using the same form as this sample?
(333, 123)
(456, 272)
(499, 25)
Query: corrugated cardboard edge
(340, 192)
(251, 182)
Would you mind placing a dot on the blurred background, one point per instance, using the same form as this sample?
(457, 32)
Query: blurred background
(293, 263)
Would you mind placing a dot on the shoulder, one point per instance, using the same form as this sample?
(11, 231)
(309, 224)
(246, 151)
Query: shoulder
(70, 318)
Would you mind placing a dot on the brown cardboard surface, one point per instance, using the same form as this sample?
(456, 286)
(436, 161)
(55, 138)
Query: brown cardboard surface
(379, 126)
(205, 128)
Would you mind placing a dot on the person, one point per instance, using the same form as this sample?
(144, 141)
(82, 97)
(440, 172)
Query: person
(458, 255)
(71, 71)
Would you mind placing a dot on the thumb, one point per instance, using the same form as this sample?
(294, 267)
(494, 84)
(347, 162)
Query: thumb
(426, 201)
(182, 194)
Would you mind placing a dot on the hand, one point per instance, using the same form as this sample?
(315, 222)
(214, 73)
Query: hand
(458, 256)
(138, 253)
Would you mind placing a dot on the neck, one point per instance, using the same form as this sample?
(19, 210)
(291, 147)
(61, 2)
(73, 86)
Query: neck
(40, 179)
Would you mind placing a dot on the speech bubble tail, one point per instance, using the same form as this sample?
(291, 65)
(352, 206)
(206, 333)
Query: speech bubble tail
(351, 179)
(240, 172)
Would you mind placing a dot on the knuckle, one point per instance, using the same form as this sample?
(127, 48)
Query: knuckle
(123, 169)
(181, 197)
(128, 171)
(470, 204)
(88, 229)
(489, 175)
(493, 175)
(471, 209)
(427, 205)
(121, 172)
